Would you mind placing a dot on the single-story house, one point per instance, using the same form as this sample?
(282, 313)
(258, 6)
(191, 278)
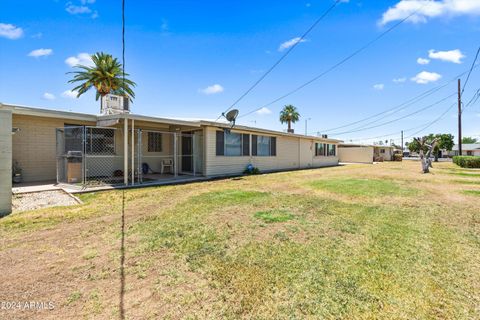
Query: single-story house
(468, 149)
(360, 153)
(127, 149)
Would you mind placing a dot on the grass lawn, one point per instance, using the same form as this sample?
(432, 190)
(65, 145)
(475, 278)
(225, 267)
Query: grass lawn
(357, 242)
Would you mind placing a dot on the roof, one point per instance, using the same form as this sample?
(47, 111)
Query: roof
(41, 112)
(467, 146)
(350, 145)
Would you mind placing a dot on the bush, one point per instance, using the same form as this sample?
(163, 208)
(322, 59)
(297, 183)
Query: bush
(397, 157)
(467, 161)
(251, 170)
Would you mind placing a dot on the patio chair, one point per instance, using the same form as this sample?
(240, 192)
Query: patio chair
(167, 163)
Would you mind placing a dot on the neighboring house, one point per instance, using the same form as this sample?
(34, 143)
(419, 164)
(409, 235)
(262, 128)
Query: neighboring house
(468, 149)
(76, 148)
(359, 153)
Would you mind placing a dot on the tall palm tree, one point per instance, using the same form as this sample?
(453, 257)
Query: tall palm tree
(106, 76)
(289, 114)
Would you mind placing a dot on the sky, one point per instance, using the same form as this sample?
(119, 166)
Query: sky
(193, 59)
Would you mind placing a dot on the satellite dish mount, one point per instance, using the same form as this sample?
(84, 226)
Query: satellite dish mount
(231, 116)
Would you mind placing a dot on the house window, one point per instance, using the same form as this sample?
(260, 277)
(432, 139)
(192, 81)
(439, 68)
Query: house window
(382, 150)
(73, 136)
(100, 141)
(319, 149)
(331, 150)
(154, 142)
(233, 144)
(264, 146)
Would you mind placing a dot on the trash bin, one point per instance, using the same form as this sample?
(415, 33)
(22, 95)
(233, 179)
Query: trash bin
(74, 166)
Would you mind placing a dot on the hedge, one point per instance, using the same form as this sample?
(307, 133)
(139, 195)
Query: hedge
(467, 161)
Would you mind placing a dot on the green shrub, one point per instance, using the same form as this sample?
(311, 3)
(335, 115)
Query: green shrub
(467, 161)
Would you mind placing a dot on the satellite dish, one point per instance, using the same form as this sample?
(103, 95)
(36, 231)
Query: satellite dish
(231, 116)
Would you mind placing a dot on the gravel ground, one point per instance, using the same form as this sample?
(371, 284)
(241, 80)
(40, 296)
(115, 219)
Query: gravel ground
(37, 200)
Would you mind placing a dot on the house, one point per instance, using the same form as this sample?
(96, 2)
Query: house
(360, 153)
(468, 149)
(129, 149)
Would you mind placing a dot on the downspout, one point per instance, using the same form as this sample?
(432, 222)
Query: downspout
(125, 151)
(133, 152)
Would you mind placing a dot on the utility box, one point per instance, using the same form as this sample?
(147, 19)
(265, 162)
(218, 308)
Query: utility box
(5, 162)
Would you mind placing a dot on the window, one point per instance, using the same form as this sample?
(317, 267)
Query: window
(382, 150)
(319, 149)
(264, 146)
(233, 144)
(331, 150)
(73, 135)
(100, 141)
(154, 142)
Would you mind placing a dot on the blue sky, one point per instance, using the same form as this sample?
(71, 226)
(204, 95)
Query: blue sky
(195, 58)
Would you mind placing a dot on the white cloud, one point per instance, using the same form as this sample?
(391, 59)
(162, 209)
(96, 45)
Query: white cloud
(95, 15)
(10, 31)
(213, 89)
(290, 43)
(81, 58)
(425, 9)
(40, 53)
(48, 96)
(37, 35)
(425, 77)
(87, 1)
(74, 9)
(454, 56)
(70, 94)
(379, 86)
(423, 61)
(399, 80)
(263, 111)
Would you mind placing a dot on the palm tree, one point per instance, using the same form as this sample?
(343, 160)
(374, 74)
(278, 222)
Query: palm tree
(289, 114)
(106, 76)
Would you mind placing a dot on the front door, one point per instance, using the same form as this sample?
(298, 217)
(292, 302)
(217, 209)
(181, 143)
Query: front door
(187, 153)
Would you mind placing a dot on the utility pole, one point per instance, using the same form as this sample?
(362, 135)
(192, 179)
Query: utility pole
(306, 131)
(402, 143)
(459, 119)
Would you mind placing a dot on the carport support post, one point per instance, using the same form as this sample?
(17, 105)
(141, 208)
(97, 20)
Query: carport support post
(5, 162)
(125, 151)
(133, 150)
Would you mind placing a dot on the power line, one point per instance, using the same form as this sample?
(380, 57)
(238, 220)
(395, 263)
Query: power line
(469, 72)
(408, 102)
(398, 119)
(433, 122)
(350, 56)
(283, 56)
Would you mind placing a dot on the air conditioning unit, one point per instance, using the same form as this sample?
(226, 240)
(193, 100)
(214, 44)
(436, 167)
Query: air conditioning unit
(115, 104)
(325, 136)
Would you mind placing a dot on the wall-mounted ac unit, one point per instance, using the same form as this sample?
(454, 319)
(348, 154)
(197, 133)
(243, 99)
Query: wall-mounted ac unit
(115, 104)
(325, 136)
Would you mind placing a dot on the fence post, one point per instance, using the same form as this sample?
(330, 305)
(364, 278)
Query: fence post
(133, 152)
(5, 162)
(175, 169)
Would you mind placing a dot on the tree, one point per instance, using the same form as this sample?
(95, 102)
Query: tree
(289, 114)
(443, 142)
(424, 144)
(469, 140)
(106, 76)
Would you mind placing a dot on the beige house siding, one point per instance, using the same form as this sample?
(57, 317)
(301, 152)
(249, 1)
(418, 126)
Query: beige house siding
(356, 154)
(292, 153)
(5, 162)
(34, 146)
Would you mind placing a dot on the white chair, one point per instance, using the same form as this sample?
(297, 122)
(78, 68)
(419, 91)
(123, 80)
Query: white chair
(167, 163)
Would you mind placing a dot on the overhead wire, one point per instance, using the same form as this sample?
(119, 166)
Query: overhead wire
(335, 66)
(289, 50)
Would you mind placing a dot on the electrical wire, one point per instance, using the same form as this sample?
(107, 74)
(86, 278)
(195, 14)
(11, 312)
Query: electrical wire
(282, 57)
(433, 122)
(471, 69)
(398, 119)
(338, 64)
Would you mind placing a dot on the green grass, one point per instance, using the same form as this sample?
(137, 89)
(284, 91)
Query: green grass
(467, 181)
(363, 187)
(271, 247)
(274, 216)
(472, 192)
